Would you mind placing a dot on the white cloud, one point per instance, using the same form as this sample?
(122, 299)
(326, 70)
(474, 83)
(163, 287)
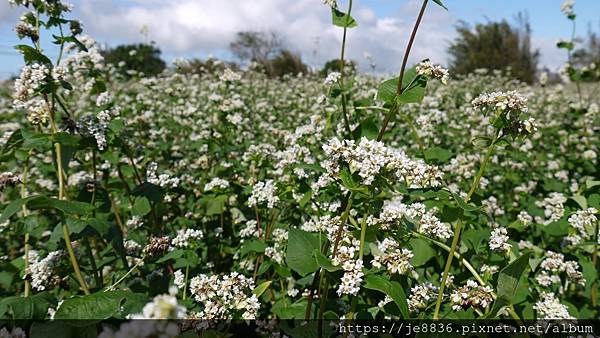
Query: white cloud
(202, 26)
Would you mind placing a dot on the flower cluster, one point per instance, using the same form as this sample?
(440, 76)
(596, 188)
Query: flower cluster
(8, 179)
(472, 295)
(41, 271)
(162, 180)
(353, 275)
(333, 77)
(567, 8)
(162, 307)
(225, 297)
(216, 183)
(426, 68)
(503, 102)
(583, 222)
(549, 307)
(499, 240)
(186, 238)
(420, 296)
(554, 265)
(371, 158)
(264, 192)
(394, 259)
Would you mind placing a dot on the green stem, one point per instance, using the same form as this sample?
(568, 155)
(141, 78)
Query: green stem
(399, 89)
(25, 214)
(458, 226)
(112, 287)
(342, 72)
(62, 196)
(187, 272)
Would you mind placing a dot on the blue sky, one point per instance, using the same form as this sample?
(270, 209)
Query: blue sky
(197, 28)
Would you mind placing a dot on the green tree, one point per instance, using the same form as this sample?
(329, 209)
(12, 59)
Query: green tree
(143, 58)
(287, 62)
(334, 66)
(495, 45)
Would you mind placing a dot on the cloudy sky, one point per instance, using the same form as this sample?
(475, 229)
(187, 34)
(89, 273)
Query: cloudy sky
(198, 28)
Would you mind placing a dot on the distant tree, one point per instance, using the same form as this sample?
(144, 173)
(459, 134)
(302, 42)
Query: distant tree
(256, 46)
(144, 58)
(334, 66)
(495, 45)
(287, 62)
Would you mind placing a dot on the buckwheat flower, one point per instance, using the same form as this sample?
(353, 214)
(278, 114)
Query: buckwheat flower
(499, 240)
(135, 222)
(162, 180)
(8, 179)
(251, 229)
(103, 98)
(504, 102)
(230, 76)
(41, 271)
(420, 296)
(332, 78)
(330, 3)
(394, 259)
(26, 30)
(428, 69)
(32, 77)
(353, 275)
(549, 307)
(277, 251)
(226, 297)
(216, 183)
(264, 192)
(162, 307)
(553, 206)
(583, 221)
(179, 279)
(567, 8)
(186, 238)
(472, 295)
(524, 217)
(157, 246)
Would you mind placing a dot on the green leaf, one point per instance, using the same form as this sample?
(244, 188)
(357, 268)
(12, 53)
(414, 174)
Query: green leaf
(580, 200)
(11, 209)
(341, 19)
(324, 262)
(215, 205)
(422, 251)
(301, 245)
(32, 55)
(253, 246)
(508, 282)
(35, 307)
(390, 288)
(413, 88)
(141, 206)
(438, 154)
(565, 45)
(439, 2)
(259, 290)
(171, 255)
(98, 306)
(481, 142)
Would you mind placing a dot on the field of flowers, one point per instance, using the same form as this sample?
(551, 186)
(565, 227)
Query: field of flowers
(229, 195)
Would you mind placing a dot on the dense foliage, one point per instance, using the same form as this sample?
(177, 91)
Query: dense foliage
(228, 194)
(140, 58)
(495, 45)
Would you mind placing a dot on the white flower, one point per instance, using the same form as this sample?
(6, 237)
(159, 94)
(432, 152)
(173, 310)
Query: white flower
(162, 307)
(567, 7)
(332, 78)
(230, 76)
(549, 307)
(216, 183)
(264, 192)
(499, 240)
(330, 3)
(427, 68)
(186, 238)
(471, 295)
